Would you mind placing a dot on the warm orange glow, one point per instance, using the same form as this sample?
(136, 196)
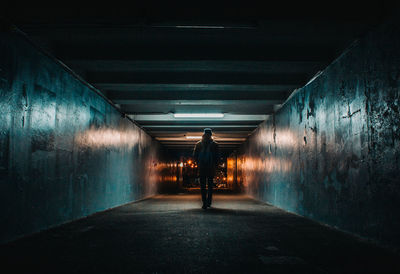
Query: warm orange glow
(190, 162)
(167, 179)
(231, 163)
(268, 164)
(249, 169)
(231, 170)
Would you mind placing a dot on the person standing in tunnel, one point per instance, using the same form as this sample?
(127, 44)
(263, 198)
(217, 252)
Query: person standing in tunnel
(206, 154)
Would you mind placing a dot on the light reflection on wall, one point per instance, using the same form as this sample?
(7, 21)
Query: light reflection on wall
(106, 137)
(43, 117)
(168, 174)
(231, 170)
(268, 164)
(139, 156)
(264, 166)
(281, 138)
(285, 139)
(240, 174)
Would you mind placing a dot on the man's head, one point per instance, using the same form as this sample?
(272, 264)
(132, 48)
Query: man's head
(207, 134)
(208, 131)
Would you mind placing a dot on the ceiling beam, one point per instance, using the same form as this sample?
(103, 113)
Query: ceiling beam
(191, 146)
(199, 77)
(188, 124)
(207, 97)
(193, 143)
(309, 24)
(158, 107)
(192, 87)
(155, 102)
(217, 139)
(221, 133)
(183, 133)
(200, 126)
(183, 129)
(284, 67)
(170, 117)
(272, 50)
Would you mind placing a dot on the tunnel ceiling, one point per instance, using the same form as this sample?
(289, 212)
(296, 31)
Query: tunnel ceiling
(241, 61)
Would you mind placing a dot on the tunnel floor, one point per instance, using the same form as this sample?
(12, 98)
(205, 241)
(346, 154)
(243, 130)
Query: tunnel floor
(172, 234)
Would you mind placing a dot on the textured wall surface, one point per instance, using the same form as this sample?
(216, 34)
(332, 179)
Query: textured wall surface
(332, 151)
(64, 151)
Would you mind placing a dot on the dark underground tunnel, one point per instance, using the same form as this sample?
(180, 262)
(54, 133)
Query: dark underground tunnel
(102, 108)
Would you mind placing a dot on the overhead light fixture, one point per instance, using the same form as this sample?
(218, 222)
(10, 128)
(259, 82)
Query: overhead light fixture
(230, 139)
(198, 27)
(193, 137)
(206, 25)
(198, 115)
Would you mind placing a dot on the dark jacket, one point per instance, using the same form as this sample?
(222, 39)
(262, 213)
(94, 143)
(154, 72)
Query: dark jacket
(208, 170)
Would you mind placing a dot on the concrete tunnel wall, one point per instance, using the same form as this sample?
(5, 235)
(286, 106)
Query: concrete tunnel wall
(65, 152)
(331, 153)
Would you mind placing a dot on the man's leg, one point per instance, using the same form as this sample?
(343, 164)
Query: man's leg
(203, 190)
(210, 181)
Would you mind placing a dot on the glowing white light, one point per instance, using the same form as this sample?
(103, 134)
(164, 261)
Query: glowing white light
(198, 115)
(199, 27)
(193, 137)
(107, 137)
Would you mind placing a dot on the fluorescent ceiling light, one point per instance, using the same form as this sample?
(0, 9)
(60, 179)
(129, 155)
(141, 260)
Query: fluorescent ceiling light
(226, 25)
(199, 27)
(198, 115)
(230, 139)
(193, 137)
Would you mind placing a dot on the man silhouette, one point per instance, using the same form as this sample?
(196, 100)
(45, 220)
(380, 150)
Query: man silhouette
(206, 154)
